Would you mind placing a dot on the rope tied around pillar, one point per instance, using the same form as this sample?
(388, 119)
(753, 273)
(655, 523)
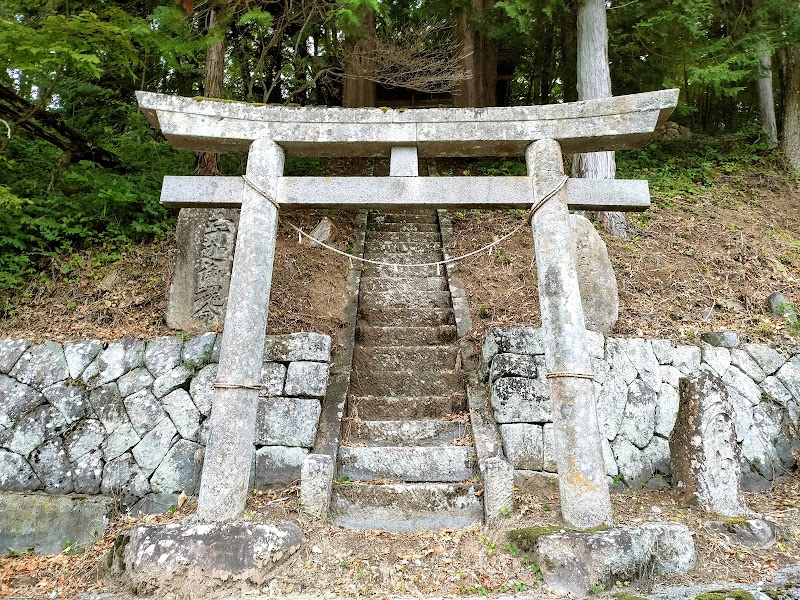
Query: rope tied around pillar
(488, 247)
(219, 385)
(558, 374)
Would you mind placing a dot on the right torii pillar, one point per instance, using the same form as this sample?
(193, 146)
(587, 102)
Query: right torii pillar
(583, 487)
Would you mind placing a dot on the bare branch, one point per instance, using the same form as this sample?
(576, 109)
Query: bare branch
(423, 58)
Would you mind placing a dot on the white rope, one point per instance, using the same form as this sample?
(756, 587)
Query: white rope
(8, 127)
(488, 247)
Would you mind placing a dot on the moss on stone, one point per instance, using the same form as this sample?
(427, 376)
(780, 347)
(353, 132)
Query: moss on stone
(735, 520)
(627, 596)
(725, 595)
(527, 537)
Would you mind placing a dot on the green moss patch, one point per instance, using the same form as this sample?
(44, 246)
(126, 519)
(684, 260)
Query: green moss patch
(725, 595)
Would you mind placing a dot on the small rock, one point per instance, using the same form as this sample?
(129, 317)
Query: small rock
(779, 305)
(197, 351)
(80, 355)
(753, 533)
(721, 339)
(325, 231)
(10, 351)
(163, 354)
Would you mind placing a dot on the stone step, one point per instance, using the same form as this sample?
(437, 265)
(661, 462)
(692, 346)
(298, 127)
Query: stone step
(375, 246)
(404, 258)
(403, 217)
(403, 236)
(413, 299)
(381, 284)
(369, 270)
(367, 335)
(393, 358)
(406, 507)
(382, 316)
(415, 227)
(407, 383)
(407, 463)
(376, 408)
(417, 432)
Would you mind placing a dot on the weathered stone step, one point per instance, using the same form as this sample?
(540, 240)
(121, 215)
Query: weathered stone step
(432, 227)
(404, 258)
(417, 432)
(407, 463)
(402, 247)
(406, 507)
(393, 358)
(403, 236)
(415, 299)
(401, 217)
(367, 335)
(377, 408)
(379, 315)
(380, 284)
(369, 270)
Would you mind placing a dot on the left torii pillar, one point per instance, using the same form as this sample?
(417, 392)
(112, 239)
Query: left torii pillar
(229, 454)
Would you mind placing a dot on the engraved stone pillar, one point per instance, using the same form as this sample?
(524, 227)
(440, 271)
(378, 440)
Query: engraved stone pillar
(585, 500)
(199, 291)
(229, 454)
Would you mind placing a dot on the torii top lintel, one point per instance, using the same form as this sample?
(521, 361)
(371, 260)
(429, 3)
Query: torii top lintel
(593, 125)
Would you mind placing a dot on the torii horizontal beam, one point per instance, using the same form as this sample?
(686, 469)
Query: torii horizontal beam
(407, 192)
(615, 123)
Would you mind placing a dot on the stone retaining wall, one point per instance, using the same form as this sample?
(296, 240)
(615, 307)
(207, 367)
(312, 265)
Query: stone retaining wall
(131, 417)
(636, 387)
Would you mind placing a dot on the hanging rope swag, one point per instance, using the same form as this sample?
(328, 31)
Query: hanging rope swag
(438, 264)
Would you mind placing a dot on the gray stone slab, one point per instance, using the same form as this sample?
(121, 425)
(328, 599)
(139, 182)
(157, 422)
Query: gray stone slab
(134, 381)
(639, 417)
(84, 439)
(306, 379)
(202, 388)
(31, 431)
(512, 365)
(153, 447)
(171, 380)
(184, 414)
(197, 351)
(80, 354)
(49, 523)
(716, 357)
(283, 421)
(87, 473)
(406, 507)
(607, 124)
(278, 465)
(273, 376)
(671, 375)
(154, 504)
(721, 339)
(414, 463)
(144, 411)
(745, 363)
(41, 365)
(314, 347)
(70, 400)
(663, 349)
(49, 462)
(124, 478)
(108, 405)
(524, 445)
(162, 354)
(666, 410)
(619, 357)
(789, 376)
(16, 400)
(316, 481)
(10, 351)
(768, 359)
(611, 404)
(119, 441)
(521, 400)
(741, 383)
(686, 358)
(156, 554)
(16, 474)
(179, 471)
(118, 358)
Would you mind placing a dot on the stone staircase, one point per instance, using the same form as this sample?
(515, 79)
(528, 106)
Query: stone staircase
(406, 460)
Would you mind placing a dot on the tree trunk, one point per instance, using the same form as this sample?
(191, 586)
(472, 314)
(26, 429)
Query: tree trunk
(594, 81)
(790, 143)
(480, 60)
(569, 52)
(359, 91)
(208, 162)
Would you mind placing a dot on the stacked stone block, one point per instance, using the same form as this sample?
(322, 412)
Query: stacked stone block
(131, 417)
(636, 388)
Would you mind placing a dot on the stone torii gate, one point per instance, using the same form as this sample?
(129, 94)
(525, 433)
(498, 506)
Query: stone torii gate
(541, 133)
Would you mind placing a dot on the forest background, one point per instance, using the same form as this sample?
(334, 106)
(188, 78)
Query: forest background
(80, 166)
